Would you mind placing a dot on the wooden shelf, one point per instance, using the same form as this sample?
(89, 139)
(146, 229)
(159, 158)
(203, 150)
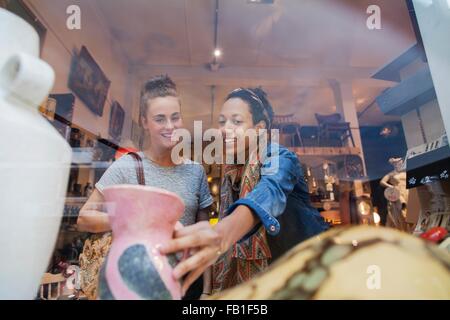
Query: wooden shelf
(333, 203)
(325, 151)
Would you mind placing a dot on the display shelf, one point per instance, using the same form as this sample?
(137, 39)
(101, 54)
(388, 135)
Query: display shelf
(75, 199)
(92, 165)
(332, 204)
(428, 167)
(325, 151)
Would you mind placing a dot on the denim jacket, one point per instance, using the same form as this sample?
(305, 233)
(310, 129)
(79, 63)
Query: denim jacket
(281, 201)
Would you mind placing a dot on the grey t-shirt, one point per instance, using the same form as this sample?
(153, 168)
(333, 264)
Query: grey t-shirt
(187, 180)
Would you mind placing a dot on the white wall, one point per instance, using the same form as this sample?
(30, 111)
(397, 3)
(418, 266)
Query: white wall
(434, 23)
(431, 121)
(59, 44)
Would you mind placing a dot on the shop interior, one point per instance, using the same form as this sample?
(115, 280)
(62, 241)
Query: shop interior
(356, 104)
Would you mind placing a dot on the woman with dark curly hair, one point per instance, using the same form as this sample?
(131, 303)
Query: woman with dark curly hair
(265, 208)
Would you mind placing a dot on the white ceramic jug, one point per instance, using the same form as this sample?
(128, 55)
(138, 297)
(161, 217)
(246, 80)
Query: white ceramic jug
(34, 162)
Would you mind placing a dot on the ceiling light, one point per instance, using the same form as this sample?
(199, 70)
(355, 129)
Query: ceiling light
(389, 130)
(385, 131)
(217, 53)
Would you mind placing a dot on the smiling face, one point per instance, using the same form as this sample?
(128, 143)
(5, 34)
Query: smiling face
(234, 120)
(163, 116)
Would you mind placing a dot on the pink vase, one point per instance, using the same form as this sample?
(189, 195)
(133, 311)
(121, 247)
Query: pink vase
(141, 218)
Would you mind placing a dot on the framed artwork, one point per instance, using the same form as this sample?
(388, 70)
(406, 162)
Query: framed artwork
(353, 167)
(116, 120)
(137, 134)
(88, 81)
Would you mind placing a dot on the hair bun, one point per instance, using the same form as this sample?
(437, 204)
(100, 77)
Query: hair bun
(157, 87)
(160, 82)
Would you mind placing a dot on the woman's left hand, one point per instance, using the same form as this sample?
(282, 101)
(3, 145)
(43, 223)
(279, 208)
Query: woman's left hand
(204, 241)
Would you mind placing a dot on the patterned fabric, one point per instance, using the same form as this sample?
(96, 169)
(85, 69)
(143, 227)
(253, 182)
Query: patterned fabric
(250, 256)
(94, 252)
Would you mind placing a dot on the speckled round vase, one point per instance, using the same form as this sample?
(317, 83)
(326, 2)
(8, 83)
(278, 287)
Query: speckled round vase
(141, 218)
(353, 263)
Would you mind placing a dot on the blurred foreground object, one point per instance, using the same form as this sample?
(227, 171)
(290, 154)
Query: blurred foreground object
(34, 162)
(354, 263)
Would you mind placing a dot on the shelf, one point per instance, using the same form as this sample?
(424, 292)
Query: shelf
(92, 165)
(76, 199)
(319, 205)
(325, 151)
(333, 203)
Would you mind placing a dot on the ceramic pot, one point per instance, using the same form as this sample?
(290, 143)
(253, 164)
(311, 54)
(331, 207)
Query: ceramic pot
(353, 263)
(141, 218)
(34, 162)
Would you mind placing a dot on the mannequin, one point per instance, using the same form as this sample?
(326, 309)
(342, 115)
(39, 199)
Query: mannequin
(396, 194)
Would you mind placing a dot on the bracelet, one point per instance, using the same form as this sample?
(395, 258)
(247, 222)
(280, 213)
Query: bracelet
(208, 294)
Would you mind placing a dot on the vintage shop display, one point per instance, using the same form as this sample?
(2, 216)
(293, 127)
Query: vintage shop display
(396, 194)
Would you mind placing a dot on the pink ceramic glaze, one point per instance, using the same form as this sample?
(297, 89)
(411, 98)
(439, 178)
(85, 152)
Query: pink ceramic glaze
(141, 217)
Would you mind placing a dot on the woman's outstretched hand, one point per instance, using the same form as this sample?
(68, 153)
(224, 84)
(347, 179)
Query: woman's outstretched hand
(205, 245)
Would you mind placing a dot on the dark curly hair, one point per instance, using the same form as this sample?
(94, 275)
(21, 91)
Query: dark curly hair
(159, 86)
(259, 104)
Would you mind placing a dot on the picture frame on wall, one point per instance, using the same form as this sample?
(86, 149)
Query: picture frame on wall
(116, 120)
(88, 81)
(137, 134)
